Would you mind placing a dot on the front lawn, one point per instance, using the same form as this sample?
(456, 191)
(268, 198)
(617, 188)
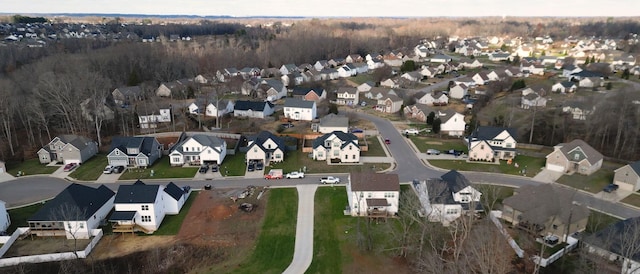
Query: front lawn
(598, 221)
(328, 222)
(633, 199)
(20, 215)
(29, 167)
(297, 160)
(91, 169)
(161, 169)
(274, 250)
(361, 78)
(443, 144)
(172, 223)
(233, 165)
(593, 183)
(531, 166)
(375, 148)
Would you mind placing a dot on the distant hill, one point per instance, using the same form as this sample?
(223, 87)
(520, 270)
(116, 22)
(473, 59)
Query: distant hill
(167, 16)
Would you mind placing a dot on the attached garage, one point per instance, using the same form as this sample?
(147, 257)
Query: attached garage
(625, 186)
(553, 167)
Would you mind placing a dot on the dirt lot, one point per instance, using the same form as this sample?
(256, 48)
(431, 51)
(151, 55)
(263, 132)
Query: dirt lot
(44, 245)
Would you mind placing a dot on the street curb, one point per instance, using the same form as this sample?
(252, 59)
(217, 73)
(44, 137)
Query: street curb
(30, 204)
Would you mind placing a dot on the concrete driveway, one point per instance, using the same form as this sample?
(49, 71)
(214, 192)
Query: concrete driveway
(547, 176)
(303, 253)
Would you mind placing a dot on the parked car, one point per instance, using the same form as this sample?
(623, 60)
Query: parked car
(259, 165)
(454, 152)
(251, 166)
(203, 169)
(295, 175)
(356, 130)
(207, 187)
(287, 125)
(551, 239)
(610, 188)
(330, 180)
(214, 168)
(108, 170)
(70, 166)
(387, 141)
(118, 169)
(411, 131)
(432, 151)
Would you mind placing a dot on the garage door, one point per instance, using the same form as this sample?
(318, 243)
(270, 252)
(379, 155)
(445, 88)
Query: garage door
(625, 186)
(71, 161)
(553, 167)
(118, 162)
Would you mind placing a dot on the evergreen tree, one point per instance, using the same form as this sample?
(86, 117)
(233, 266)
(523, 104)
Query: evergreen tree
(436, 125)
(430, 118)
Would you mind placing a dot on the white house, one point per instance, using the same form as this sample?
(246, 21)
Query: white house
(447, 198)
(458, 91)
(390, 83)
(300, 110)
(212, 107)
(452, 123)
(373, 194)
(288, 68)
(346, 71)
(5, 221)
(432, 98)
(74, 212)
(532, 99)
(253, 109)
(440, 58)
(490, 143)
(150, 118)
(265, 147)
(198, 149)
(347, 96)
(338, 147)
(332, 122)
(564, 87)
(142, 207)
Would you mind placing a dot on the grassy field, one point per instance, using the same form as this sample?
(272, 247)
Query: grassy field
(532, 165)
(20, 215)
(593, 183)
(361, 78)
(275, 246)
(598, 221)
(296, 160)
(91, 169)
(375, 148)
(172, 223)
(29, 167)
(633, 199)
(423, 143)
(162, 169)
(233, 165)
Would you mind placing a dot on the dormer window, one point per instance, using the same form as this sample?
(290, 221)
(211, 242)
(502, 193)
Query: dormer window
(576, 156)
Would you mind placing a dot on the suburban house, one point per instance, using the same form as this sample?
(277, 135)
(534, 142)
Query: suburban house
(432, 98)
(418, 112)
(577, 109)
(628, 177)
(353, 58)
(499, 56)
(568, 70)
(265, 147)
(440, 58)
(68, 149)
(347, 70)
(198, 149)
(373, 194)
(5, 220)
(488, 143)
(389, 104)
(309, 94)
(575, 156)
(333, 122)
(545, 210)
(338, 147)
(300, 110)
(537, 69)
(124, 96)
(366, 86)
(347, 96)
(390, 83)
(321, 64)
(458, 91)
(134, 151)
(413, 76)
(617, 242)
(471, 64)
(74, 212)
(149, 116)
(142, 207)
(447, 198)
(288, 68)
(177, 88)
(564, 87)
(532, 99)
(429, 72)
(452, 122)
(212, 107)
(253, 109)
(378, 93)
(481, 78)
(271, 89)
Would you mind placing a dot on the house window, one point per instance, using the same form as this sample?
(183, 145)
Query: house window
(576, 156)
(269, 146)
(481, 146)
(186, 148)
(176, 159)
(451, 211)
(346, 157)
(146, 219)
(354, 156)
(369, 195)
(320, 154)
(336, 153)
(361, 195)
(209, 151)
(141, 162)
(336, 144)
(81, 225)
(117, 152)
(555, 226)
(278, 155)
(508, 144)
(145, 207)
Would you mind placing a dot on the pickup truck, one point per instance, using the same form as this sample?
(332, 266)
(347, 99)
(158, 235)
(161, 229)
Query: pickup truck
(294, 175)
(329, 180)
(274, 174)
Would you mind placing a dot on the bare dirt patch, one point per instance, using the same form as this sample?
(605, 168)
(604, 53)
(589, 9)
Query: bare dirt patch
(45, 245)
(433, 143)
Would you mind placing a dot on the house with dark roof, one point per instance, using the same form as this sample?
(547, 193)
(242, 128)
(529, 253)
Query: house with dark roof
(175, 89)
(300, 110)
(198, 149)
(373, 194)
(447, 198)
(5, 220)
(545, 210)
(134, 151)
(310, 94)
(575, 156)
(68, 149)
(488, 143)
(253, 109)
(564, 87)
(74, 212)
(628, 177)
(338, 147)
(333, 122)
(265, 147)
(142, 207)
(123, 96)
(617, 243)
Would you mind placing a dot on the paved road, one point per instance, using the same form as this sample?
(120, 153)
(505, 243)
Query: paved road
(303, 254)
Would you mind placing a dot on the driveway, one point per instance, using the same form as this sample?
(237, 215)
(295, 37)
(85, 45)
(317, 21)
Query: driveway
(303, 253)
(547, 176)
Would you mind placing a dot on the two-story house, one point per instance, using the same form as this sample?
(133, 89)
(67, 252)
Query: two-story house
(68, 149)
(300, 110)
(338, 147)
(373, 194)
(309, 94)
(198, 149)
(265, 147)
(124, 96)
(150, 116)
(134, 151)
(389, 104)
(211, 107)
(488, 143)
(451, 122)
(447, 198)
(347, 96)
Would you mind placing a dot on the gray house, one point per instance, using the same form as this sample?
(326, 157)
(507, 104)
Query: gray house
(68, 149)
(134, 151)
(125, 95)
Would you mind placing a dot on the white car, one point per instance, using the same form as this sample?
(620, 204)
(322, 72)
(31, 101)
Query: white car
(295, 175)
(411, 131)
(330, 180)
(108, 170)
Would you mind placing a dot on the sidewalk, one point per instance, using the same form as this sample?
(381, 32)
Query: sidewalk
(303, 253)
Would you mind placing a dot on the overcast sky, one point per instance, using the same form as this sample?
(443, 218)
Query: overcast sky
(330, 8)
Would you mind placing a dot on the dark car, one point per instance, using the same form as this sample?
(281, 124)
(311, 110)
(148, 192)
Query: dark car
(259, 165)
(118, 169)
(387, 141)
(288, 125)
(214, 168)
(204, 169)
(610, 188)
(454, 152)
(251, 166)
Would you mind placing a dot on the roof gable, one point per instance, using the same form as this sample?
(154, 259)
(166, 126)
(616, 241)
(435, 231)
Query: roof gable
(137, 193)
(83, 199)
(369, 181)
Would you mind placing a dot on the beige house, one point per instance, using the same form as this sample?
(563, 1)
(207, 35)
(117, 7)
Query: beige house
(545, 210)
(628, 177)
(389, 104)
(575, 156)
(68, 149)
(492, 143)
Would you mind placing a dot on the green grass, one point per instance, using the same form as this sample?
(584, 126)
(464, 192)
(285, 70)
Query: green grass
(328, 223)
(593, 183)
(296, 160)
(20, 215)
(531, 164)
(633, 199)
(423, 143)
(162, 169)
(598, 221)
(375, 148)
(172, 223)
(29, 167)
(91, 169)
(233, 165)
(361, 78)
(274, 250)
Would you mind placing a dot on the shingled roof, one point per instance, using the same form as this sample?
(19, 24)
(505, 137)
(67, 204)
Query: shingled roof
(369, 181)
(541, 202)
(593, 156)
(86, 199)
